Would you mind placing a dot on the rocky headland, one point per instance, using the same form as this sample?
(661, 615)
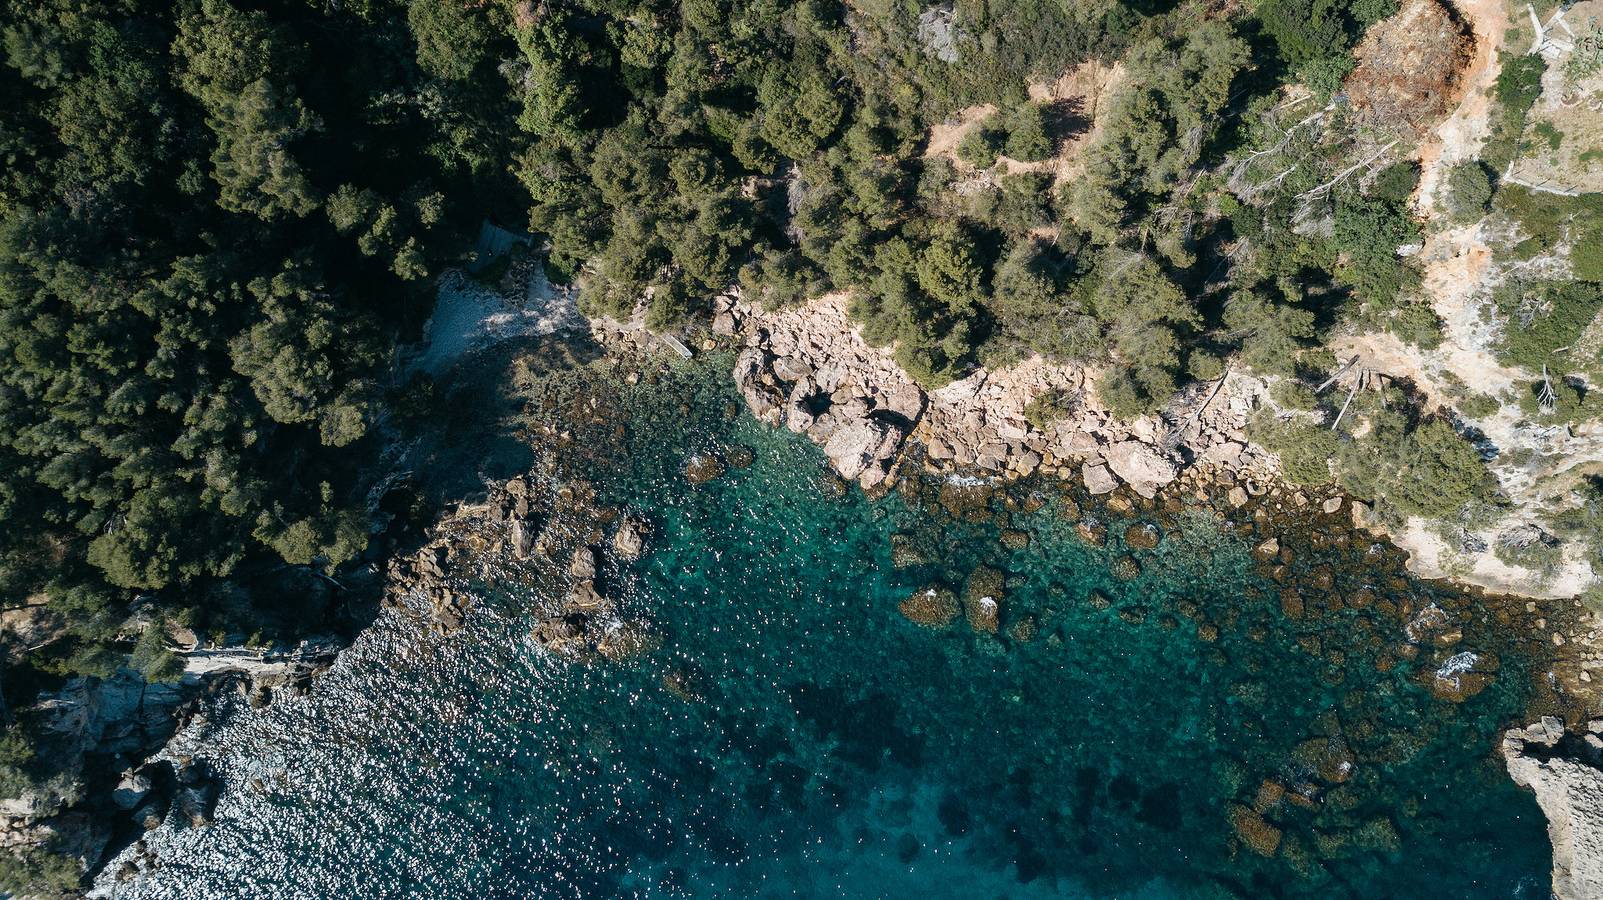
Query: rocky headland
(551, 539)
(1564, 768)
(108, 788)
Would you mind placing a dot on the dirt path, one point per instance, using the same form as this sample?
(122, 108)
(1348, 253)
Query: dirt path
(1078, 94)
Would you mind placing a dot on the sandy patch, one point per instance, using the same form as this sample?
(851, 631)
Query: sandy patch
(1074, 98)
(946, 135)
(469, 316)
(1429, 556)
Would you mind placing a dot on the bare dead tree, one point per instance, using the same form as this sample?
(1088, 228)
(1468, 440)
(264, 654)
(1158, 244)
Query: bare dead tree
(1338, 373)
(1351, 392)
(1323, 188)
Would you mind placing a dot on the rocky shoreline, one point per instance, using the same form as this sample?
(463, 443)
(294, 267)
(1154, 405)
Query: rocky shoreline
(111, 786)
(807, 369)
(1564, 769)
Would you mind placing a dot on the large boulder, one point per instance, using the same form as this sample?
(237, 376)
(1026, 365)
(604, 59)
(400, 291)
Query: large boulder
(799, 415)
(789, 368)
(520, 539)
(905, 400)
(583, 564)
(862, 449)
(1141, 466)
(1098, 480)
(131, 790)
(1563, 770)
(754, 379)
(629, 542)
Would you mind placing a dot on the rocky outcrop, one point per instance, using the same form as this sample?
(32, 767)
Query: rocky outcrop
(756, 380)
(543, 534)
(1565, 771)
(862, 449)
(807, 369)
(931, 607)
(98, 724)
(629, 541)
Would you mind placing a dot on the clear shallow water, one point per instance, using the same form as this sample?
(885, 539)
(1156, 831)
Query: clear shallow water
(795, 736)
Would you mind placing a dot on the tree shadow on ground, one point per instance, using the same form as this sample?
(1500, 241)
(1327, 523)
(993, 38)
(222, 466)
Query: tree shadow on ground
(1066, 120)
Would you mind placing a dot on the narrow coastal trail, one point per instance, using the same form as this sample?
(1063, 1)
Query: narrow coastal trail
(1458, 272)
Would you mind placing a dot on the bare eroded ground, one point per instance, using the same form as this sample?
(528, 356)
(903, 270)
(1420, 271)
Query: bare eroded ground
(1074, 99)
(1536, 465)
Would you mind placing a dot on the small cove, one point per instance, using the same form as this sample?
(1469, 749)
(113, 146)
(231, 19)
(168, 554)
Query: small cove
(1145, 722)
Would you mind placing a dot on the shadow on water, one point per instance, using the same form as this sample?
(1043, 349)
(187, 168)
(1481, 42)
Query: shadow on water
(471, 435)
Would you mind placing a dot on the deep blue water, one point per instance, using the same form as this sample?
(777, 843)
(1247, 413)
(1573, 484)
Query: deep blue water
(795, 736)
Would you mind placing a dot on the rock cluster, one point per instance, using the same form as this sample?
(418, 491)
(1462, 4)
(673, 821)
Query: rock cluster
(1565, 771)
(545, 535)
(103, 723)
(807, 368)
(861, 427)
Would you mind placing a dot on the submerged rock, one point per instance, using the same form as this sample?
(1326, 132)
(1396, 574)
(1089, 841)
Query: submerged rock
(1092, 533)
(701, 468)
(1022, 630)
(741, 456)
(982, 600)
(1463, 675)
(932, 607)
(1142, 537)
(628, 640)
(1327, 758)
(1254, 831)
(905, 553)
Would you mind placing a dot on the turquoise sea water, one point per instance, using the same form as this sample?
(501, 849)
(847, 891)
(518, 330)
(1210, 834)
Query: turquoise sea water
(796, 736)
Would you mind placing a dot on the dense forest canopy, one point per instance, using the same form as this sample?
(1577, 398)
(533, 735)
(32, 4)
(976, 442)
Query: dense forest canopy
(216, 222)
(220, 217)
